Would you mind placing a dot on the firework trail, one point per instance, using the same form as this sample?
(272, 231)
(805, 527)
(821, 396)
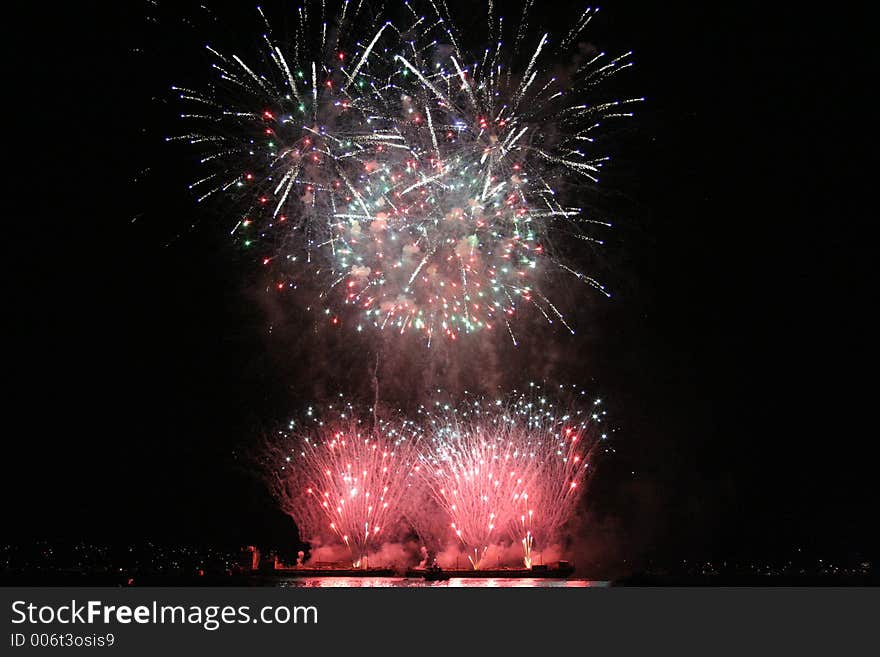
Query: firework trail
(343, 478)
(417, 181)
(512, 468)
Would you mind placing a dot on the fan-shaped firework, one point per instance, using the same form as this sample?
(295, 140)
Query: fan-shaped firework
(415, 178)
(494, 471)
(343, 478)
(512, 467)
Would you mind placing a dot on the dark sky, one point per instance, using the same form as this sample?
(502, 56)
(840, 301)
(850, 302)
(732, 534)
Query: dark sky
(733, 355)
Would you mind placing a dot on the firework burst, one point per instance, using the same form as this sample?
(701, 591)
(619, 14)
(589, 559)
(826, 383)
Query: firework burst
(416, 179)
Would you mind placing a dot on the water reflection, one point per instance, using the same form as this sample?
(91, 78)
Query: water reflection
(455, 582)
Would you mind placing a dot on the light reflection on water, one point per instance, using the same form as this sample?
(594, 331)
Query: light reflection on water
(455, 582)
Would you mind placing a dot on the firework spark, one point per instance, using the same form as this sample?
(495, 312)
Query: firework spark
(416, 179)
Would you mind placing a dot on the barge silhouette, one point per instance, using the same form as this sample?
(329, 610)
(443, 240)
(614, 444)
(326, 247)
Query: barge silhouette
(557, 570)
(560, 570)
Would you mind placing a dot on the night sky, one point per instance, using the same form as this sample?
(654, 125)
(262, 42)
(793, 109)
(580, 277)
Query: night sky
(140, 372)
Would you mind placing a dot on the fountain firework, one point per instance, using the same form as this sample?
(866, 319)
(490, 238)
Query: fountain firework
(342, 477)
(493, 470)
(512, 468)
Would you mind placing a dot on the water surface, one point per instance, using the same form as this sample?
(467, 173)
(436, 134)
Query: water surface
(455, 582)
